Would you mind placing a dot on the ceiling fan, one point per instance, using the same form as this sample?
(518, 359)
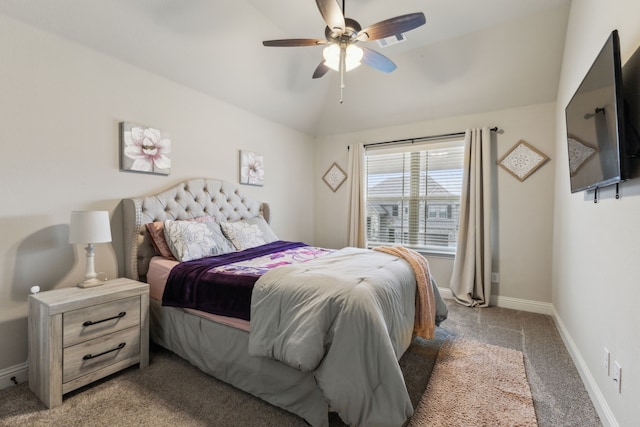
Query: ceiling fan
(342, 34)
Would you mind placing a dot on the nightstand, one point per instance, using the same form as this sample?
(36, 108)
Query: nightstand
(77, 336)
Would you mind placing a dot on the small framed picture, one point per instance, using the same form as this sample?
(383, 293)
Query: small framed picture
(251, 168)
(522, 160)
(334, 177)
(144, 149)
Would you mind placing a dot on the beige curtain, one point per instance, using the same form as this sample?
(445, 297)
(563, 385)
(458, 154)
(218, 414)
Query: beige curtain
(357, 207)
(471, 278)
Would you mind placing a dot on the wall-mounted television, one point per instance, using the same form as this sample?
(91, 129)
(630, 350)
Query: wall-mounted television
(595, 123)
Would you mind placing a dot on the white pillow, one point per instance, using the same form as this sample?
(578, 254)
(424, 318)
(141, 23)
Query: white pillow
(267, 233)
(189, 240)
(242, 234)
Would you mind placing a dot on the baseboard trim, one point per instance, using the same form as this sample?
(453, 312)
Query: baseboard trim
(599, 402)
(19, 372)
(512, 303)
(445, 293)
(523, 305)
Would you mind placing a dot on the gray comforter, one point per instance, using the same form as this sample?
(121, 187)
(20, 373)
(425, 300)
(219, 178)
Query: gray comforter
(348, 317)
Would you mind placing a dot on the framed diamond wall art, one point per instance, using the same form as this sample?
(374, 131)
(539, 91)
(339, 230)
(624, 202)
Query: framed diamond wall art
(334, 177)
(522, 160)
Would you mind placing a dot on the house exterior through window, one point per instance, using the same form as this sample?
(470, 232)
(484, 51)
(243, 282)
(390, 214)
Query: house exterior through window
(413, 195)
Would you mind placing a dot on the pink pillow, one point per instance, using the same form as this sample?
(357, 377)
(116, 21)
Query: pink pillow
(156, 232)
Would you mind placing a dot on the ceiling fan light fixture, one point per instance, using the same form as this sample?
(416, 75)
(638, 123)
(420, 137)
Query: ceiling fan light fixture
(353, 56)
(341, 35)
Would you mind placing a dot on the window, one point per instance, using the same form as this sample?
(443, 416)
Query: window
(413, 195)
(435, 211)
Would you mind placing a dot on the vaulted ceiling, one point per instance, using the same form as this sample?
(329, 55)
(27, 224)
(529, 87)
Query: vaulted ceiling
(470, 56)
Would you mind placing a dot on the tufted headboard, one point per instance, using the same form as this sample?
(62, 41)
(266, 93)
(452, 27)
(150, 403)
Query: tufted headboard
(189, 199)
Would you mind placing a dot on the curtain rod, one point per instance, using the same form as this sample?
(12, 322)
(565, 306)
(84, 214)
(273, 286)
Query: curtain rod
(423, 138)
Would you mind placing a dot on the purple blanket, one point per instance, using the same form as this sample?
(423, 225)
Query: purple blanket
(191, 284)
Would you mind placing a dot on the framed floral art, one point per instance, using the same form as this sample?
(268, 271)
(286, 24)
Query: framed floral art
(251, 168)
(144, 149)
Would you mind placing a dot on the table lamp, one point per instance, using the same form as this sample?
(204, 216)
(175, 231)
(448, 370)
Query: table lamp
(89, 227)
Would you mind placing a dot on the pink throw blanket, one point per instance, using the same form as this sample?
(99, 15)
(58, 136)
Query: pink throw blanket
(424, 324)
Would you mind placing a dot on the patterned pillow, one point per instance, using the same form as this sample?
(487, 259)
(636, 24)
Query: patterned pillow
(189, 240)
(242, 234)
(156, 233)
(267, 233)
(223, 245)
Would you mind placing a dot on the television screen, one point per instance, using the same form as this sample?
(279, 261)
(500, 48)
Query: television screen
(594, 123)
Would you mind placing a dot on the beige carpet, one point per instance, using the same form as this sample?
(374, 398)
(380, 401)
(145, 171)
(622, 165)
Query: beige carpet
(472, 384)
(476, 384)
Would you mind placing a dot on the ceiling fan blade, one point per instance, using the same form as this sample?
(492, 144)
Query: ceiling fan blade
(332, 15)
(293, 42)
(392, 26)
(320, 71)
(378, 61)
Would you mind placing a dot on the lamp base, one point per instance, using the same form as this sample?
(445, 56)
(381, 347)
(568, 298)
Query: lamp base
(90, 283)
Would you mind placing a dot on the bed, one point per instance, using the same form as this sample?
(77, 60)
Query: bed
(303, 383)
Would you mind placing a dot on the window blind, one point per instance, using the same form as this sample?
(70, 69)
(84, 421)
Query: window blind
(413, 195)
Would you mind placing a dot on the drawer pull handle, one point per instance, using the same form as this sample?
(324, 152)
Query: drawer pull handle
(91, 322)
(91, 356)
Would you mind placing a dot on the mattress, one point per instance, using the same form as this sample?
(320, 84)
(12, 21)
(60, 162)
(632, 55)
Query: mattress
(159, 268)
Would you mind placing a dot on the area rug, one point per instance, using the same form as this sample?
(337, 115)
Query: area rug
(476, 384)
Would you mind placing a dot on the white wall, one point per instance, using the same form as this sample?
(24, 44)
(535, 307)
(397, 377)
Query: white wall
(60, 105)
(523, 211)
(595, 247)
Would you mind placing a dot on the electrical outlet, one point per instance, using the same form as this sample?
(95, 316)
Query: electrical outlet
(617, 376)
(495, 277)
(605, 360)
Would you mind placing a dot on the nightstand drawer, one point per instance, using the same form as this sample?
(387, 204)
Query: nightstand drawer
(84, 358)
(94, 321)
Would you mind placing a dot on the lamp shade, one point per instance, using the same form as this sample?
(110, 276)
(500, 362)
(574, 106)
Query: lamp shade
(89, 227)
